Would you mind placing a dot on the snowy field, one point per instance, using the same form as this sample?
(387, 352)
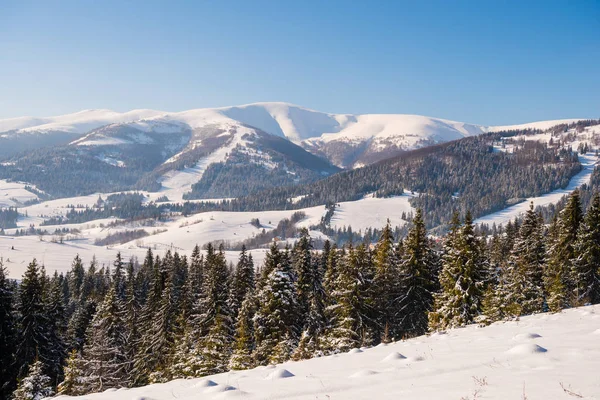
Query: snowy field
(13, 194)
(502, 217)
(547, 356)
(179, 233)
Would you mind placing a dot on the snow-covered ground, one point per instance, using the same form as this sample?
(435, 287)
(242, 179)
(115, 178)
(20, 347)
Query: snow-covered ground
(372, 212)
(588, 162)
(179, 233)
(13, 194)
(546, 356)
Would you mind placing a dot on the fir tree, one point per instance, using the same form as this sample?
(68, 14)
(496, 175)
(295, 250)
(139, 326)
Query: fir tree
(244, 335)
(386, 283)
(418, 277)
(558, 278)
(462, 278)
(104, 362)
(275, 320)
(33, 323)
(349, 325)
(72, 384)
(242, 282)
(36, 385)
(586, 265)
(524, 273)
(7, 335)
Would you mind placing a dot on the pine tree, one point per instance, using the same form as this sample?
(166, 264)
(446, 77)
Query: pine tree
(56, 351)
(386, 283)
(104, 363)
(213, 324)
(558, 277)
(33, 322)
(462, 278)
(586, 265)
(349, 311)
(418, 277)
(275, 320)
(73, 374)
(306, 273)
(523, 280)
(242, 282)
(244, 335)
(36, 385)
(7, 335)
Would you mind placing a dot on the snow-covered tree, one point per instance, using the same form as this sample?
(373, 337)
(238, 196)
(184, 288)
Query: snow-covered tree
(242, 282)
(558, 275)
(72, 384)
(36, 385)
(523, 278)
(462, 278)
(104, 362)
(244, 335)
(586, 265)
(387, 286)
(276, 318)
(418, 280)
(7, 334)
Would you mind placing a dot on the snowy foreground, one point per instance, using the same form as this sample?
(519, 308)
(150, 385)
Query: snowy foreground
(548, 356)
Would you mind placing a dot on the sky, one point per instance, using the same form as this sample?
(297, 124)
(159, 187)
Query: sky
(486, 62)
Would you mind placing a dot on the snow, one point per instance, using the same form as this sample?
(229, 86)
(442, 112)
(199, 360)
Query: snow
(282, 119)
(178, 182)
(467, 363)
(588, 162)
(79, 122)
(14, 194)
(372, 212)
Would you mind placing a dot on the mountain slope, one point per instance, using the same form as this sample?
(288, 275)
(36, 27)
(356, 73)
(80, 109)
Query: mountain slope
(545, 356)
(346, 140)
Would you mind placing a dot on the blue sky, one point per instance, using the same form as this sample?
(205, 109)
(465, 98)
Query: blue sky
(488, 62)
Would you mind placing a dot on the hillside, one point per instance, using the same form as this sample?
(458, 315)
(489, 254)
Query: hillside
(546, 356)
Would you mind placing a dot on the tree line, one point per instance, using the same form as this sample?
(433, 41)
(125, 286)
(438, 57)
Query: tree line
(178, 317)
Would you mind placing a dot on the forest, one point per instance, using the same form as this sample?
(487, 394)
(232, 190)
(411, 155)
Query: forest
(172, 317)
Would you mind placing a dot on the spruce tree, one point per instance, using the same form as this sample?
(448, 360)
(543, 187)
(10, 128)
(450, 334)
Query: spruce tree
(348, 313)
(276, 317)
(36, 385)
(72, 384)
(33, 322)
(104, 363)
(386, 283)
(213, 324)
(462, 278)
(242, 282)
(418, 277)
(7, 335)
(558, 277)
(244, 335)
(586, 265)
(524, 277)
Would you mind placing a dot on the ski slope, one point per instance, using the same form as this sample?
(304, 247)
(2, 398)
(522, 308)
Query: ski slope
(546, 356)
(502, 217)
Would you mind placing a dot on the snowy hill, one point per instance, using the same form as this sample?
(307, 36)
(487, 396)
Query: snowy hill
(546, 356)
(346, 140)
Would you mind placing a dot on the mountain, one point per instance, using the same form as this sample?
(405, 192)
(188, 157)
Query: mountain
(211, 152)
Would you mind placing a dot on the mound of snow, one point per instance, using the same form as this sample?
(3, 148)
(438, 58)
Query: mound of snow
(205, 383)
(280, 373)
(526, 336)
(526, 348)
(363, 372)
(219, 388)
(355, 351)
(395, 356)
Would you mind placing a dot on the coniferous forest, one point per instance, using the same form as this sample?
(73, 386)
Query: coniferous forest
(172, 317)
